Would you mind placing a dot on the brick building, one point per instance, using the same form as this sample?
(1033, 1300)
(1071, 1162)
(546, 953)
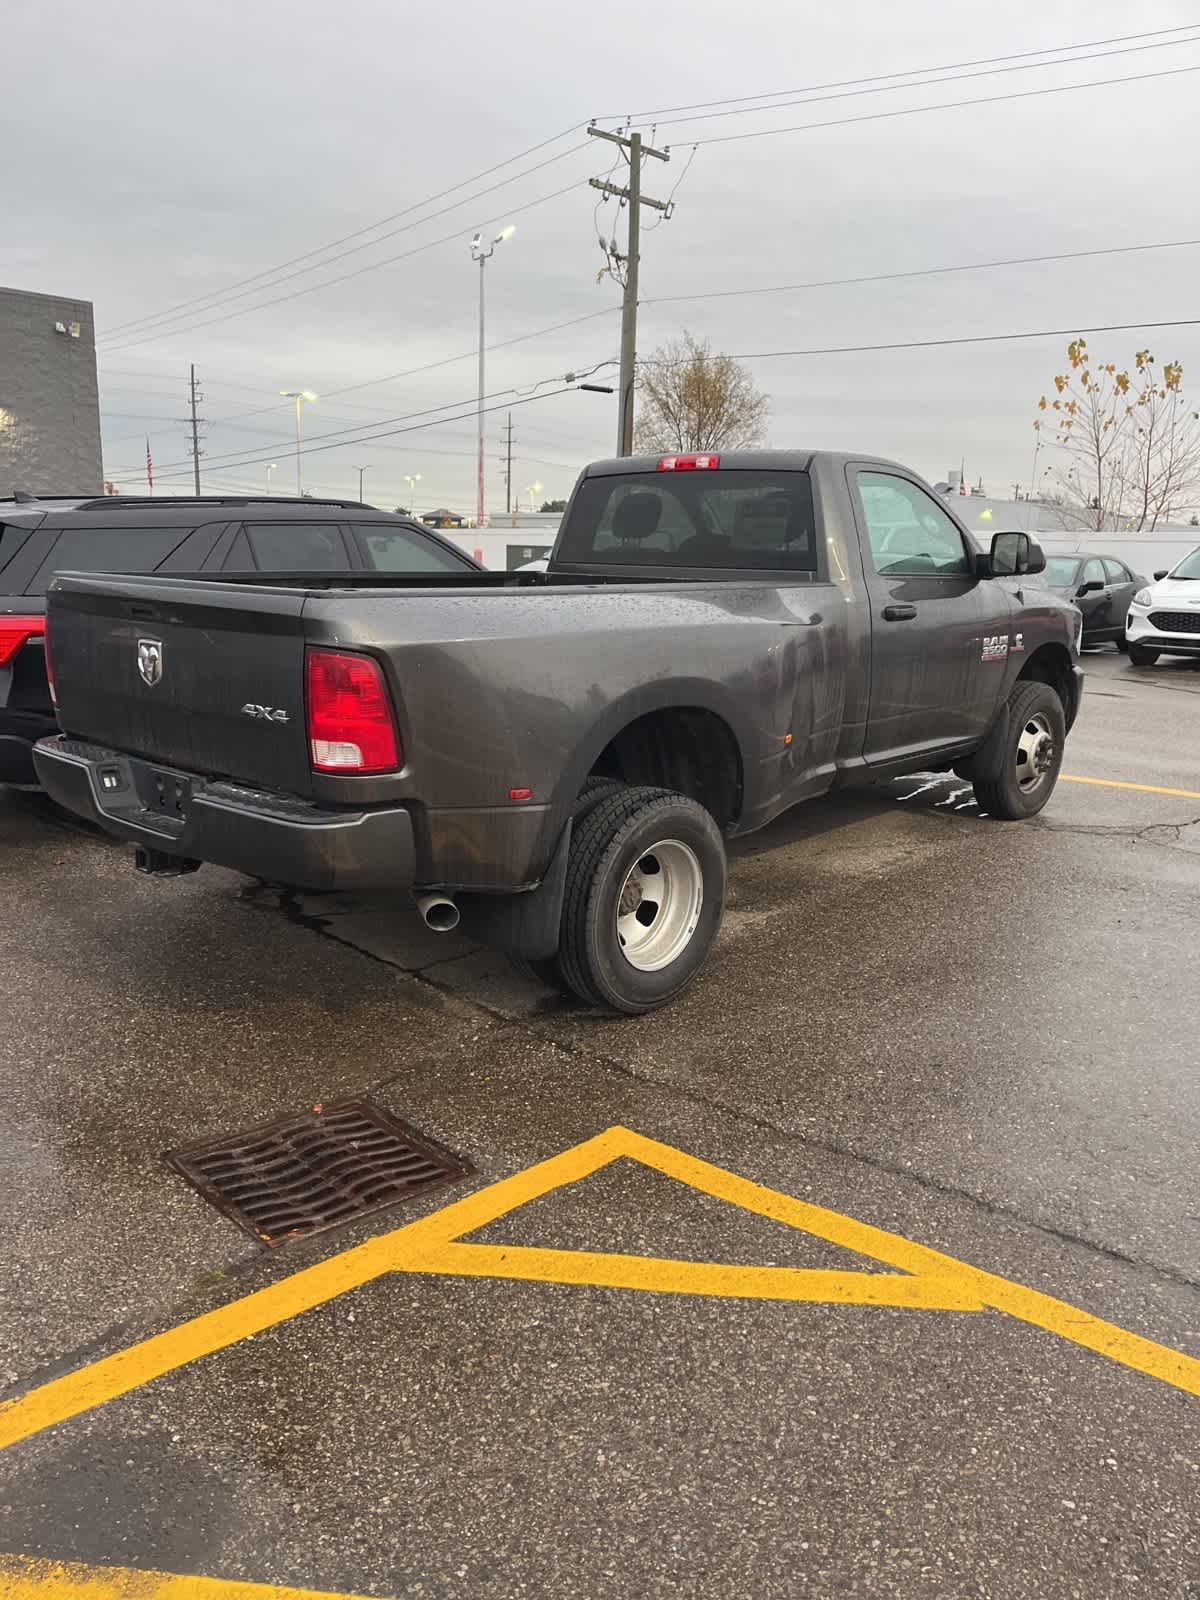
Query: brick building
(49, 402)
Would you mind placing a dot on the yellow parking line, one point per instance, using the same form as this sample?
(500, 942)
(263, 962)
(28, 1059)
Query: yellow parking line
(26, 1578)
(1143, 788)
(438, 1244)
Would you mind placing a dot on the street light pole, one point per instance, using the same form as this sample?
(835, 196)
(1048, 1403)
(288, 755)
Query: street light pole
(478, 253)
(270, 470)
(412, 479)
(299, 396)
(361, 470)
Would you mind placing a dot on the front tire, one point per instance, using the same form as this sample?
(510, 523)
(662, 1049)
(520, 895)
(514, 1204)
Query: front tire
(644, 896)
(1141, 656)
(1032, 755)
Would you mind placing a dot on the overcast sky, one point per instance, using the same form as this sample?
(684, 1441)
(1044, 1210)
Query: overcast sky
(159, 154)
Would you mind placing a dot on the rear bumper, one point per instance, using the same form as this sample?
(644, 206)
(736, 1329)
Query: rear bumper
(265, 835)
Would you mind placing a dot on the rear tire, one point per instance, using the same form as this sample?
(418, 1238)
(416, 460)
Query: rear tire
(1033, 751)
(1141, 656)
(1122, 644)
(644, 896)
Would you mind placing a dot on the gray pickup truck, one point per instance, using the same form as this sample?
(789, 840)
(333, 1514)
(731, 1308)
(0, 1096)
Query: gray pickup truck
(557, 758)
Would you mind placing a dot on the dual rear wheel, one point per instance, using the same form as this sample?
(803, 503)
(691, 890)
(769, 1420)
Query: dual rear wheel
(644, 894)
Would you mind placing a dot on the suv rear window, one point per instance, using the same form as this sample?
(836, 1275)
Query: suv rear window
(387, 548)
(12, 538)
(758, 520)
(107, 550)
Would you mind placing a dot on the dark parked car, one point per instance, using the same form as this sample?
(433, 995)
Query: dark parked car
(115, 533)
(1101, 586)
(557, 758)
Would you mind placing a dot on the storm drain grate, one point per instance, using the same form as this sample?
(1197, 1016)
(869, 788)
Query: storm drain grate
(301, 1175)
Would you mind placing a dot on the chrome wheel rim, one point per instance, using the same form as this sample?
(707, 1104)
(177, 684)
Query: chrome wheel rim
(659, 905)
(1036, 752)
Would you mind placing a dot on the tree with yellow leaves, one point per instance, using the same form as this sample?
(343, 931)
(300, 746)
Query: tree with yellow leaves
(1132, 441)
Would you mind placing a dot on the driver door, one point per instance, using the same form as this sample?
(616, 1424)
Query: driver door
(1097, 604)
(939, 633)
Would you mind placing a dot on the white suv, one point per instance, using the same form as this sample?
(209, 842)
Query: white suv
(1164, 617)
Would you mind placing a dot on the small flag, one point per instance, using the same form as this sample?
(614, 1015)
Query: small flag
(149, 465)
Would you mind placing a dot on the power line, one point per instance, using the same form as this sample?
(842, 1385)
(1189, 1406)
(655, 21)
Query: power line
(886, 77)
(949, 105)
(415, 428)
(300, 272)
(445, 361)
(269, 272)
(811, 98)
(924, 272)
(428, 366)
(328, 283)
(232, 458)
(979, 338)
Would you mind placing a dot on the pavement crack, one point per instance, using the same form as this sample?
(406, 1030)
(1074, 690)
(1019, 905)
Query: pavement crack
(536, 1029)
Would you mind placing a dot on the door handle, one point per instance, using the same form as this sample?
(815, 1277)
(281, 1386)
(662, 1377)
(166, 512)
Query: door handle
(899, 613)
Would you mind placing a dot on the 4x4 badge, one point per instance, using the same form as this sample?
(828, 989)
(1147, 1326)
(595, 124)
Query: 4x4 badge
(150, 660)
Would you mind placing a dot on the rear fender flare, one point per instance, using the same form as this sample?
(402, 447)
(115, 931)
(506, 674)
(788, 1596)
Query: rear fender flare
(669, 694)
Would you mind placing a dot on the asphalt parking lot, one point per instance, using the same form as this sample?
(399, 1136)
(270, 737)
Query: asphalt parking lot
(717, 1351)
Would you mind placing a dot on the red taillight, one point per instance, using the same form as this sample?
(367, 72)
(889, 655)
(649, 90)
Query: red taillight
(15, 634)
(350, 722)
(688, 463)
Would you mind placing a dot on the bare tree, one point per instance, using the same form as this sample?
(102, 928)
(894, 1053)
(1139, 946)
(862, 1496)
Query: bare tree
(1131, 442)
(691, 399)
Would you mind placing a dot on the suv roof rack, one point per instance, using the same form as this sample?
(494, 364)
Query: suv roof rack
(118, 500)
(23, 497)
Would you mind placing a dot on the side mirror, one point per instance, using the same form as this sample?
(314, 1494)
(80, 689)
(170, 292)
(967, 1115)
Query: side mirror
(1159, 575)
(1015, 555)
(1088, 588)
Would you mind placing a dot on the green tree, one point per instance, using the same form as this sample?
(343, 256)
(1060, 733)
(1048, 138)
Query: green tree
(554, 505)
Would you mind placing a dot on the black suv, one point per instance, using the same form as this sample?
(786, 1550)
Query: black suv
(119, 533)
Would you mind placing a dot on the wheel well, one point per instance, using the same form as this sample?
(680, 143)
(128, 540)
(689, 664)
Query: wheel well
(686, 749)
(1051, 664)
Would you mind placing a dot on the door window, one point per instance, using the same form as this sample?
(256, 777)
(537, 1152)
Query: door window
(288, 547)
(1093, 572)
(909, 534)
(1116, 572)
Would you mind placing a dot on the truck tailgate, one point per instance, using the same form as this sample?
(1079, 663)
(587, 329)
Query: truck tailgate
(200, 675)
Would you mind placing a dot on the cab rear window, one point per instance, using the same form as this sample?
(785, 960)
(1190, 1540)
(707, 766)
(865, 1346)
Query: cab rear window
(754, 520)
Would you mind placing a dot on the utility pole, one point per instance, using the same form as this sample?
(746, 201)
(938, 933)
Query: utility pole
(508, 466)
(478, 253)
(195, 397)
(637, 152)
(361, 471)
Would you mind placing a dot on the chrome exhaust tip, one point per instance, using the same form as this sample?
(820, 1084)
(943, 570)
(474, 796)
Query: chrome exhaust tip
(438, 912)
